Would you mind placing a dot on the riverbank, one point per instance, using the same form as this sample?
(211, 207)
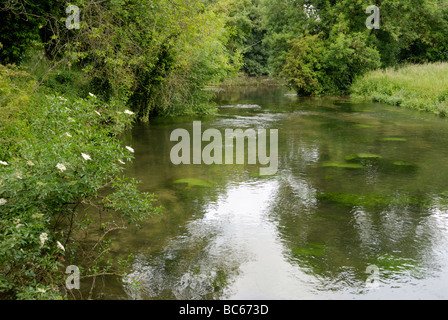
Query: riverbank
(421, 87)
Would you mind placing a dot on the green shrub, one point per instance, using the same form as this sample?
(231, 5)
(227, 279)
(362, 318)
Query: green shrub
(346, 57)
(316, 66)
(421, 87)
(303, 69)
(65, 155)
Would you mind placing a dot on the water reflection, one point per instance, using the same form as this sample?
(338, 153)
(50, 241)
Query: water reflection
(358, 185)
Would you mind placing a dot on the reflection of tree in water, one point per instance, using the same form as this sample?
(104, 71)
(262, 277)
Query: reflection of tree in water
(193, 263)
(337, 242)
(336, 221)
(182, 272)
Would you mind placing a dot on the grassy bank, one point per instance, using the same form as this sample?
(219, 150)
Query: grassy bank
(420, 87)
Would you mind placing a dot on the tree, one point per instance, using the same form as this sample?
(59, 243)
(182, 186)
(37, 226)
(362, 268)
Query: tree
(411, 31)
(155, 56)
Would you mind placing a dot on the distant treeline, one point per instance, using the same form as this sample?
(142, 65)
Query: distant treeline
(157, 56)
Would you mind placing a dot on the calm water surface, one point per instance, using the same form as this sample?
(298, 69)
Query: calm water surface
(358, 184)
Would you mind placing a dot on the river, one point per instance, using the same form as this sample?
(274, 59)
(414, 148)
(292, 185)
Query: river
(358, 208)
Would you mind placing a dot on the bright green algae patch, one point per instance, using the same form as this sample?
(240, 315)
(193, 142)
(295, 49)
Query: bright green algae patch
(362, 126)
(353, 161)
(362, 156)
(194, 182)
(313, 250)
(392, 139)
(342, 165)
(370, 199)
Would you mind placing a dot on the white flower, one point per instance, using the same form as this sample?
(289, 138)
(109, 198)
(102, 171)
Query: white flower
(61, 167)
(121, 161)
(130, 149)
(3, 202)
(4, 163)
(85, 156)
(68, 134)
(41, 290)
(97, 113)
(128, 112)
(91, 94)
(43, 237)
(60, 246)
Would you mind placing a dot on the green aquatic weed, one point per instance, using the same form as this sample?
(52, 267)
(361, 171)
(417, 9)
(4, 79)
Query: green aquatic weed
(342, 165)
(194, 182)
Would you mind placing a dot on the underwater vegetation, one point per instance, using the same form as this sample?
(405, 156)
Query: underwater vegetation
(194, 182)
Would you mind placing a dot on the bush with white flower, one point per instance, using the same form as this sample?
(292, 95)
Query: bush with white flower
(62, 159)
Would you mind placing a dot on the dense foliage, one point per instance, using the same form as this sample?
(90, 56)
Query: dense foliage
(58, 155)
(156, 56)
(320, 46)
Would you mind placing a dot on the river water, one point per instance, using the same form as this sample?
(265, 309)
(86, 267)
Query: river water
(359, 187)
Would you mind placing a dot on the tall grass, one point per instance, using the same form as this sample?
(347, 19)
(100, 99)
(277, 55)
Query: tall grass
(421, 87)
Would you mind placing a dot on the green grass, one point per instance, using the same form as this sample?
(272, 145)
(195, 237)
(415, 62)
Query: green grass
(421, 87)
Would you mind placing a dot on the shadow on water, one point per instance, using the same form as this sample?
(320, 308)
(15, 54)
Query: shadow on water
(358, 184)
